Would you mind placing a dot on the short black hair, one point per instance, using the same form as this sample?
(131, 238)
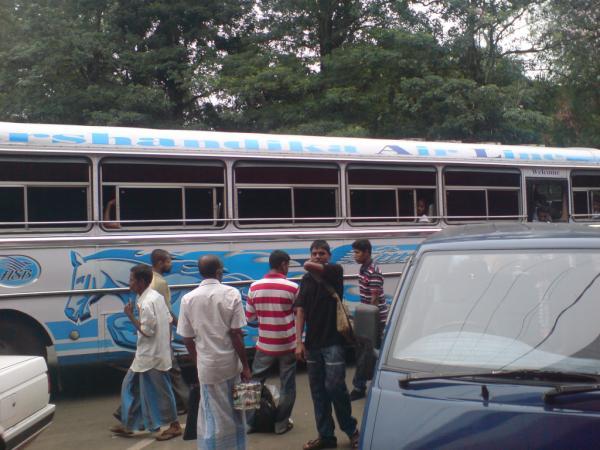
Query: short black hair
(142, 272)
(364, 245)
(278, 257)
(159, 255)
(209, 265)
(322, 244)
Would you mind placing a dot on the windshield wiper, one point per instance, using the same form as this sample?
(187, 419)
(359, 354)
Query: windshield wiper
(557, 391)
(525, 374)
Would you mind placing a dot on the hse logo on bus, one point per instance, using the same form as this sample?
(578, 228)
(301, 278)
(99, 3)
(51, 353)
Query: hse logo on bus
(18, 270)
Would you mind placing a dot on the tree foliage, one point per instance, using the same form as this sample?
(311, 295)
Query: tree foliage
(481, 33)
(571, 29)
(432, 69)
(113, 62)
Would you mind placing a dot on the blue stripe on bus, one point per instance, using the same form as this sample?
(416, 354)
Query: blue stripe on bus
(62, 329)
(82, 345)
(70, 360)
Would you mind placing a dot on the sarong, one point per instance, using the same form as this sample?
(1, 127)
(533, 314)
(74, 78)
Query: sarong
(220, 427)
(147, 400)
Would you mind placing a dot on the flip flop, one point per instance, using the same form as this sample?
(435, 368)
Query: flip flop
(120, 430)
(354, 440)
(288, 426)
(169, 433)
(318, 444)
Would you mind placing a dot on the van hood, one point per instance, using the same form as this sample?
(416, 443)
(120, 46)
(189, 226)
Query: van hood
(453, 414)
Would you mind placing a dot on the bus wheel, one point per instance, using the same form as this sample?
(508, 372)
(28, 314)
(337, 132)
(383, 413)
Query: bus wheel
(20, 338)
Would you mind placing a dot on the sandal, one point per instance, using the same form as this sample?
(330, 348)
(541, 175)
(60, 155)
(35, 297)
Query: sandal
(120, 430)
(354, 439)
(288, 426)
(319, 443)
(169, 433)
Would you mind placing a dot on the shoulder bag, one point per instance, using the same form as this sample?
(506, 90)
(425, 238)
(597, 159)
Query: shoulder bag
(344, 326)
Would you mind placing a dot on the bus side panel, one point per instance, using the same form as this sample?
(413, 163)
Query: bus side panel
(70, 322)
(91, 326)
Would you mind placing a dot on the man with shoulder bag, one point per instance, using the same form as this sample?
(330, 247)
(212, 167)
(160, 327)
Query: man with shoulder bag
(321, 291)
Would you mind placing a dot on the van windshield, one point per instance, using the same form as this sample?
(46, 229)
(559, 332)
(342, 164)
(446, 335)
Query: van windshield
(502, 310)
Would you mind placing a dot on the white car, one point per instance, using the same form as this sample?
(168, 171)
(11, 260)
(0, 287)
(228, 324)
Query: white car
(24, 396)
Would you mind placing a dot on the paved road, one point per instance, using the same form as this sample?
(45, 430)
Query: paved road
(90, 395)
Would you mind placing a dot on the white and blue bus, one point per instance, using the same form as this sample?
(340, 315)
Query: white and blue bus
(79, 206)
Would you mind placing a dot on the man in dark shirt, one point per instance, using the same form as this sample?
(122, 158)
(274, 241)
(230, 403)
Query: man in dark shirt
(323, 348)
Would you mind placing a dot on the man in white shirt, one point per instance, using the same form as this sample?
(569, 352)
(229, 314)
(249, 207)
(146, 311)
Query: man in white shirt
(162, 264)
(211, 318)
(146, 395)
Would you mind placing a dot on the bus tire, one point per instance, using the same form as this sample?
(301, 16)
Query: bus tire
(17, 337)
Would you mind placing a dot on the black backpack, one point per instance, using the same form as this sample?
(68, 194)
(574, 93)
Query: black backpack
(264, 417)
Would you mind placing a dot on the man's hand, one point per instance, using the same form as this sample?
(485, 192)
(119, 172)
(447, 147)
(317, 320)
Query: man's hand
(300, 352)
(246, 374)
(128, 309)
(238, 344)
(314, 266)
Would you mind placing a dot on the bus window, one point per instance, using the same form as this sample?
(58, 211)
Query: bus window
(150, 206)
(109, 207)
(503, 203)
(465, 205)
(595, 205)
(482, 194)
(406, 204)
(162, 194)
(264, 204)
(204, 203)
(45, 194)
(547, 200)
(315, 202)
(384, 194)
(375, 205)
(268, 193)
(56, 204)
(586, 195)
(12, 206)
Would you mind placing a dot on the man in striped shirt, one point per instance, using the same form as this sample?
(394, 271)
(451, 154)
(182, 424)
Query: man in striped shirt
(370, 283)
(271, 301)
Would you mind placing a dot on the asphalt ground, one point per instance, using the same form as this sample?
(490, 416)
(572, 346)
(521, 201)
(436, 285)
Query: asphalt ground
(90, 394)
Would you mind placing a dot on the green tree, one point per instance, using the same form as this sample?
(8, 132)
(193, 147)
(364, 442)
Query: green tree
(571, 29)
(394, 84)
(54, 55)
(263, 91)
(314, 29)
(408, 86)
(114, 62)
(174, 46)
(482, 33)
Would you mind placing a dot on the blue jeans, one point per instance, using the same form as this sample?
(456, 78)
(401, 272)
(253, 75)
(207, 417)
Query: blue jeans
(327, 378)
(287, 390)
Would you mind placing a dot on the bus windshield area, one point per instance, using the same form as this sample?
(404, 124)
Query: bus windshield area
(502, 311)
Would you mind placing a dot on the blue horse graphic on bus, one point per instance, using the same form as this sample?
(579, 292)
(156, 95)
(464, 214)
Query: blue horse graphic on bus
(109, 269)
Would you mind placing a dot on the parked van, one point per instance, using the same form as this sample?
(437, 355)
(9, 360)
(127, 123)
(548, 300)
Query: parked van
(493, 342)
